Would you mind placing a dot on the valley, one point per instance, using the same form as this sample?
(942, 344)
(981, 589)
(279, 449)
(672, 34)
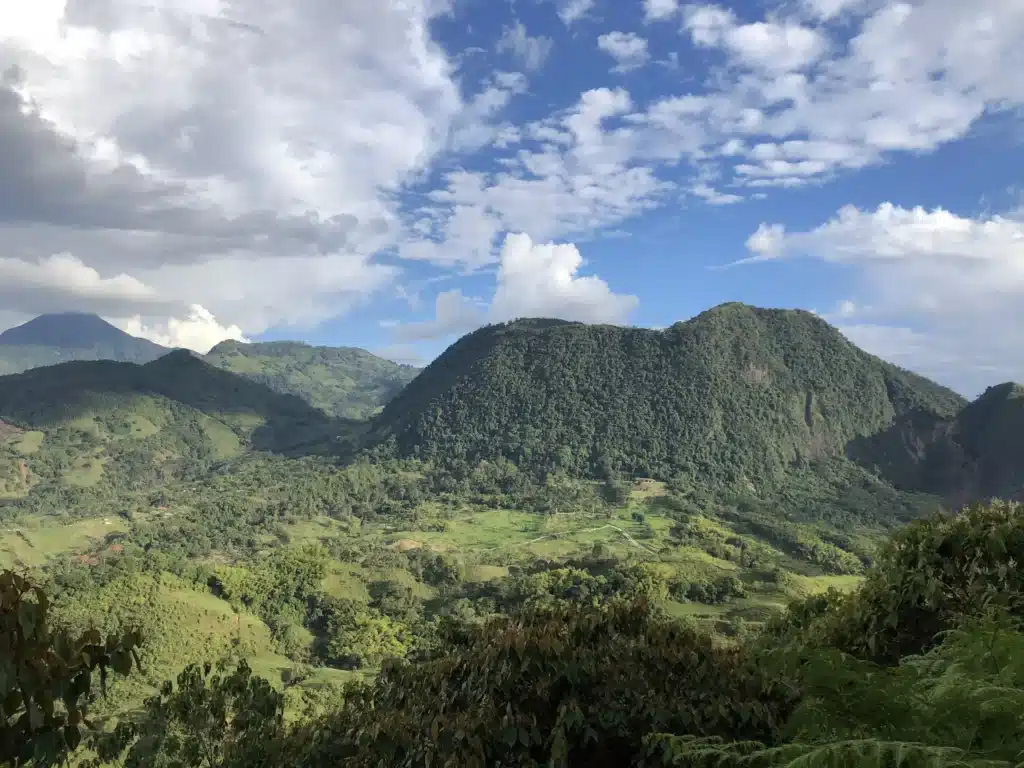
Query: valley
(320, 513)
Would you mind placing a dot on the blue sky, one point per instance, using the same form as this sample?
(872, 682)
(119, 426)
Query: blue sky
(391, 175)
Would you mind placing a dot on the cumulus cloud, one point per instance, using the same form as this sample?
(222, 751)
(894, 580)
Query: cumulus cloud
(199, 330)
(256, 159)
(582, 174)
(827, 10)
(628, 50)
(542, 280)
(137, 137)
(940, 292)
(533, 280)
(796, 100)
(767, 46)
(531, 51)
(808, 99)
(453, 314)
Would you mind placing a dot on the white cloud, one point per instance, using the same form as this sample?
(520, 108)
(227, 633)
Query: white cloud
(177, 143)
(766, 46)
(36, 287)
(570, 11)
(199, 330)
(584, 176)
(949, 288)
(659, 10)
(531, 51)
(453, 314)
(827, 10)
(533, 280)
(541, 280)
(810, 99)
(712, 196)
(628, 50)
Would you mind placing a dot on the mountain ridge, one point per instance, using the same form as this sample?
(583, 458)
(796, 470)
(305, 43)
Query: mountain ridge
(343, 382)
(735, 395)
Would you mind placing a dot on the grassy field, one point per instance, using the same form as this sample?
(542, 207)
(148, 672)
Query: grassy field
(488, 541)
(32, 544)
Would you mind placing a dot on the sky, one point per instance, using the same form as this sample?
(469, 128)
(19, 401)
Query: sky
(393, 174)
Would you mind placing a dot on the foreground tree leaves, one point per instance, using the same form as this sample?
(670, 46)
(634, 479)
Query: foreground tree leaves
(560, 686)
(930, 575)
(961, 704)
(212, 718)
(46, 677)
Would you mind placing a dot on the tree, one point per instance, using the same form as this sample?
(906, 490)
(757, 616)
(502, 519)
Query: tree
(558, 686)
(208, 721)
(46, 677)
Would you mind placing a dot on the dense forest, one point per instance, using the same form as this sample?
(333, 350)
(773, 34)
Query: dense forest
(343, 382)
(921, 665)
(736, 396)
(740, 540)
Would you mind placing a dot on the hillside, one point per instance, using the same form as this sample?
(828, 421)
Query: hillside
(977, 454)
(341, 381)
(128, 426)
(58, 338)
(737, 396)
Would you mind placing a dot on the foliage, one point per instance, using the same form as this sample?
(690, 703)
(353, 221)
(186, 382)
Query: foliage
(341, 381)
(210, 719)
(733, 397)
(46, 677)
(961, 704)
(928, 575)
(558, 686)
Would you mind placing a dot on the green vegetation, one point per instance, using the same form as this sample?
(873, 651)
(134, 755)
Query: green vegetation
(46, 676)
(736, 397)
(341, 381)
(922, 665)
(560, 545)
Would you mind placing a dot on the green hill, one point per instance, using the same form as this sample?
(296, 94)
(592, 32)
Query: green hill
(341, 381)
(737, 396)
(979, 453)
(59, 338)
(139, 426)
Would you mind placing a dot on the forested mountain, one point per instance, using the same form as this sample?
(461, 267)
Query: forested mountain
(979, 453)
(736, 396)
(58, 338)
(341, 381)
(90, 422)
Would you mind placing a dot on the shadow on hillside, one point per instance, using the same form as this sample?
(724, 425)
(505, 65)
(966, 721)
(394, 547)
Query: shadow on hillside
(917, 453)
(44, 398)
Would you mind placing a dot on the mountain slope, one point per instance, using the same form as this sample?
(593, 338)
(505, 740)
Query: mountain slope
(735, 396)
(87, 423)
(341, 381)
(979, 453)
(59, 338)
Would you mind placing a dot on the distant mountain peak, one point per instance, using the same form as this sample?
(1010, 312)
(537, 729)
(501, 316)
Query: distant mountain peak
(62, 337)
(69, 330)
